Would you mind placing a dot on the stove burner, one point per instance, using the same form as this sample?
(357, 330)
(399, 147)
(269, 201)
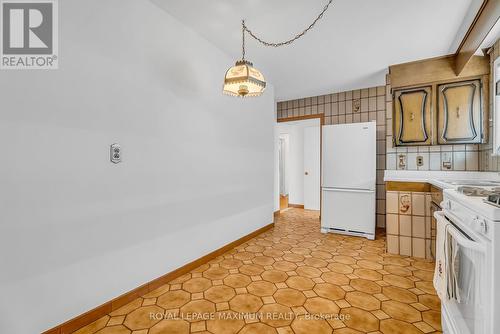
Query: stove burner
(493, 199)
(477, 191)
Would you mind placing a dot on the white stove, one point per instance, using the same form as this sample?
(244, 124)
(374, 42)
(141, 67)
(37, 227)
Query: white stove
(475, 231)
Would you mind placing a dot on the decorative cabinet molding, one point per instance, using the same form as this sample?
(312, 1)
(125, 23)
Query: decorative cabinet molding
(441, 113)
(460, 113)
(449, 108)
(412, 116)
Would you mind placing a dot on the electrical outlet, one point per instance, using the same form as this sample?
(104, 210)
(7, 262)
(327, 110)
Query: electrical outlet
(420, 160)
(115, 152)
(446, 161)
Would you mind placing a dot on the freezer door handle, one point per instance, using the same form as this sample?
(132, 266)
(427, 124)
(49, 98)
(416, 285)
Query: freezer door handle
(349, 190)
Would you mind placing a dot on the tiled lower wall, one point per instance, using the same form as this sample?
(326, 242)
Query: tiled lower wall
(360, 105)
(408, 223)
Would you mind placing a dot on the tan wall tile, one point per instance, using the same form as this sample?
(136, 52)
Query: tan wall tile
(418, 202)
(405, 246)
(418, 227)
(405, 225)
(392, 202)
(428, 227)
(392, 224)
(393, 244)
(428, 246)
(418, 247)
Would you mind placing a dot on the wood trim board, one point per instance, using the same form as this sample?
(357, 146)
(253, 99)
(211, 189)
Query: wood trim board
(407, 186)
(435, 70)
(88, 317)
(301, 118)
(484, 21)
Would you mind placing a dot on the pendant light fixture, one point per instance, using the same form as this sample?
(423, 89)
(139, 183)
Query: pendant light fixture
(245, 80)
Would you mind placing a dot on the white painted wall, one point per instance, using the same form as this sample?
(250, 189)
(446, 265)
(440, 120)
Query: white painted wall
(276, 183)
(77, 230)
(284, 141)
(295, 161)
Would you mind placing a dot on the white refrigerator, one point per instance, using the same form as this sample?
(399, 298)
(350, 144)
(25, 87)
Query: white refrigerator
(349, 179)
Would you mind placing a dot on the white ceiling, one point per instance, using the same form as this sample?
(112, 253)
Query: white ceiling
(349, 48)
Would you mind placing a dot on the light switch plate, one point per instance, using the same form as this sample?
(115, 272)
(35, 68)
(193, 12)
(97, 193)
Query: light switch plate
(115, 152)
(402, 161)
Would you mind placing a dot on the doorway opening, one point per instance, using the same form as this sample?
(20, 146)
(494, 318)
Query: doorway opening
(299, 163)
(282, 156)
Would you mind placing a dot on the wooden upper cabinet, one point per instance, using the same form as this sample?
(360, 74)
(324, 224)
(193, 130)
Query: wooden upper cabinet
(412, 116)
(432, 105)
(460, 114)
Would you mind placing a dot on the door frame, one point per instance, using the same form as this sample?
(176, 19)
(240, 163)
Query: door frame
(321, 123)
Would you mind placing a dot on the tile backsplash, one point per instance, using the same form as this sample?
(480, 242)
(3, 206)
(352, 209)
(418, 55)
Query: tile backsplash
(450, 157)
(360, 105)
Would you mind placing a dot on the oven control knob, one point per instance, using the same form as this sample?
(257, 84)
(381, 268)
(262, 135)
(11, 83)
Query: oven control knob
(483, 226)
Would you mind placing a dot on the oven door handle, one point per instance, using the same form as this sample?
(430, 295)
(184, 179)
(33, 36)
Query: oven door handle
(460, 238)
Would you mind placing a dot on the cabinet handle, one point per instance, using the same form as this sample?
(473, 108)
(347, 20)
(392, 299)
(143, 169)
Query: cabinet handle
(412, 116)
(458, 112)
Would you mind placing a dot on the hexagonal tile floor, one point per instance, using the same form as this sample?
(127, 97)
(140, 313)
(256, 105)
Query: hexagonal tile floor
(290, 279)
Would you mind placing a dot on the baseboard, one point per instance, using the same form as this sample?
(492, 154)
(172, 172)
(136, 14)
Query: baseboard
(88, 317)
(298, 206)
(276, 213)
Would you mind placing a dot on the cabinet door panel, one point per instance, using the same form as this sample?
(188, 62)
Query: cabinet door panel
(412, 116)
(460, 112)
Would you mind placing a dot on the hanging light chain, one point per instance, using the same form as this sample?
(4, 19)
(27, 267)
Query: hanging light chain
(243, 39)
(290, 41)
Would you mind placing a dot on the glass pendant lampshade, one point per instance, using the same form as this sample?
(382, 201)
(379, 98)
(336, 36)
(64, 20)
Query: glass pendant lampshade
(244, 80)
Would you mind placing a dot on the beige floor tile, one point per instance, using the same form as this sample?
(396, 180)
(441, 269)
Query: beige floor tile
(245, 303)
(360, 320)
(226, 322)
(170, 326)
(94, 326)
(401, 311)
(118, 320)
(276, 315)
(140, 319)
(198, 326)
(261, 288)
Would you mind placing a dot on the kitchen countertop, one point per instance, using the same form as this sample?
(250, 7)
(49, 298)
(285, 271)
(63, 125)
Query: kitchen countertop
(438, 178)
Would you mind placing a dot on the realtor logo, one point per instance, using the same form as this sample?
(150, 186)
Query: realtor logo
(29, 34)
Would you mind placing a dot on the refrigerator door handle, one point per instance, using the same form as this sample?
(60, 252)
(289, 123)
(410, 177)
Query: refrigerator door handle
(348, 190)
